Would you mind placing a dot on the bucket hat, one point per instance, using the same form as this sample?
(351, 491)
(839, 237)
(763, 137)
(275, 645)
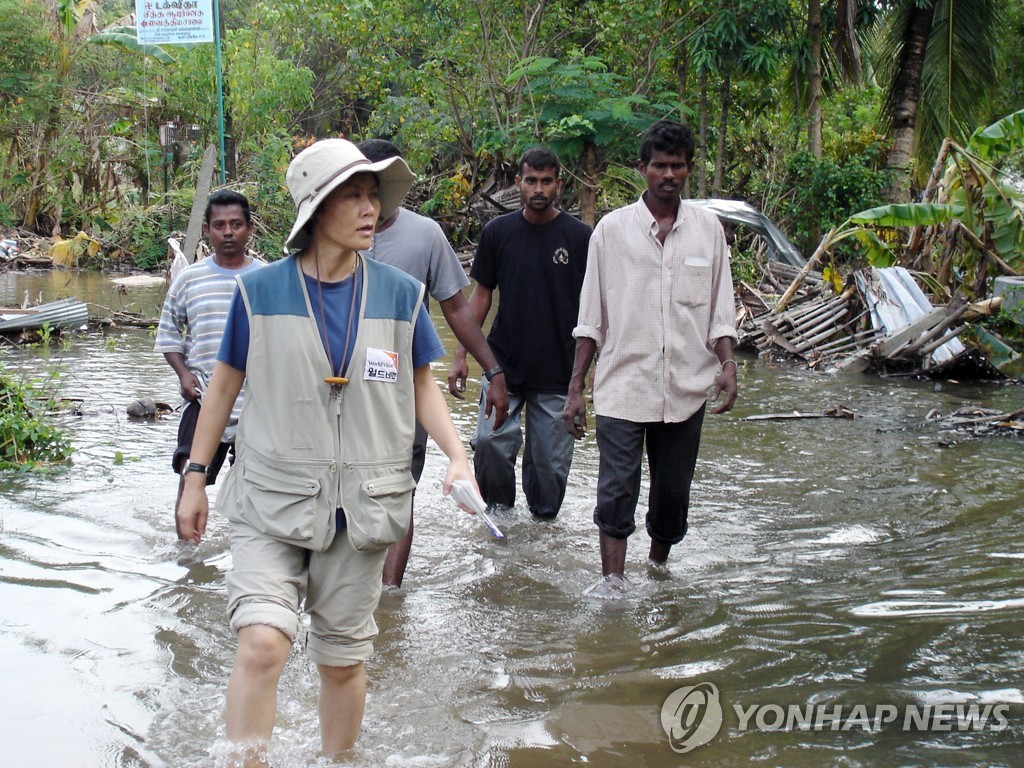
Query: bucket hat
(323, 166)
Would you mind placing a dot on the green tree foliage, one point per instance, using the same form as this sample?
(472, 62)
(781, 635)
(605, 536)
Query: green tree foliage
(67, 158)
(734, 42)
(825, 190)
(1009, 95)
(579, 110)
(464, 85)
(974, 227)
(26, 82)
(268, 93)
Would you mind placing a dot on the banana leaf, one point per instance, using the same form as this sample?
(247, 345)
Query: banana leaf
(908, 215)
(65, 253)
(1003, 136)
(876, 250)
(126, 38)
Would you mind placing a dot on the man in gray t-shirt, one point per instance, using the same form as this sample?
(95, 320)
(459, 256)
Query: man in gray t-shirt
(417, 246)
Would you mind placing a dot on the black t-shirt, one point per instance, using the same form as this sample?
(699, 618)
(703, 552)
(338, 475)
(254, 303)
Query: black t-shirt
(538, 273)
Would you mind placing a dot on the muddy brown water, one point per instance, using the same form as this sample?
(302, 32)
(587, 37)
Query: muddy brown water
(831, 564)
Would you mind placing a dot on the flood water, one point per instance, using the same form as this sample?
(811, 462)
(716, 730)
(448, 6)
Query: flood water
(830, 564)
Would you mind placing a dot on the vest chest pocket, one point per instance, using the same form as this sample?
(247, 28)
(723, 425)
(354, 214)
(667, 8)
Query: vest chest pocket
(289, 501)
(380, 514)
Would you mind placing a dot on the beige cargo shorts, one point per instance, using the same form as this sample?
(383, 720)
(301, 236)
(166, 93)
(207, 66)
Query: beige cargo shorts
(270, 582)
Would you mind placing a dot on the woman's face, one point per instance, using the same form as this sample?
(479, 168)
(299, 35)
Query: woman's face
(348, 215)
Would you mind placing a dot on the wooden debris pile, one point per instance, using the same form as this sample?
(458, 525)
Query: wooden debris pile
(26, 251)
(880, 322)
(811, 323)
(981, 421)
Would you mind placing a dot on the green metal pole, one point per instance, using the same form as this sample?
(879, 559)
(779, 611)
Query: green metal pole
(220, 92)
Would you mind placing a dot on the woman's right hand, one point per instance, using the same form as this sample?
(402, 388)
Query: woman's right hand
(459, 469)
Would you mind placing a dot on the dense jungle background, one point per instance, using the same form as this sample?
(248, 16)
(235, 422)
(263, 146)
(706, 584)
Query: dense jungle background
(811, 110)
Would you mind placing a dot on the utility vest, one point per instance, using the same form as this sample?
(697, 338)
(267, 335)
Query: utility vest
(303, 453)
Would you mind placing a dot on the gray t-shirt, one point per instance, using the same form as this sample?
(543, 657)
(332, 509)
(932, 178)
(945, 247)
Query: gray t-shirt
(417, 246)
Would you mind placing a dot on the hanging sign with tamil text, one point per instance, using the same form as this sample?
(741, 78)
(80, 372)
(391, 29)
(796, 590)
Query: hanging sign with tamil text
(173, 22)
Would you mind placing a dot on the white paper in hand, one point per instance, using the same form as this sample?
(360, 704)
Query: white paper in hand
(463, 493)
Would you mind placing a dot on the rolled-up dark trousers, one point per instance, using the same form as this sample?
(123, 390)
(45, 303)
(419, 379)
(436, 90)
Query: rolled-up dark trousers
(671, 457)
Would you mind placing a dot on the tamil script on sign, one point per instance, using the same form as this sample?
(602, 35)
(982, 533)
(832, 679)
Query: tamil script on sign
(173, 22)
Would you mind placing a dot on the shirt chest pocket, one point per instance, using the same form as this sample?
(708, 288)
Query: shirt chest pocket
(692, 286)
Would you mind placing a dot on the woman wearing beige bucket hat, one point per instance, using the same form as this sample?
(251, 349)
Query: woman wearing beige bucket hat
(334, 351)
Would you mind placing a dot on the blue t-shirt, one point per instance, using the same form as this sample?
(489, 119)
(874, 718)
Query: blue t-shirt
(234, 347)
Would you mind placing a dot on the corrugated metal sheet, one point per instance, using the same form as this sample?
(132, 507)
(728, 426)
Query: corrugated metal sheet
(65, 313)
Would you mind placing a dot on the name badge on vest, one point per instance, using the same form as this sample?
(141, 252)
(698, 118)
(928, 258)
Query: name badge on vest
(381, 365)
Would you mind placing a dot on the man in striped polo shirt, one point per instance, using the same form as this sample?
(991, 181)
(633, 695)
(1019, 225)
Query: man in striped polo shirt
(193, 317)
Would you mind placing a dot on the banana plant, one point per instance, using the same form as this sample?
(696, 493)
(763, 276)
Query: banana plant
(69, 20)
(970, 224)
(73, 23)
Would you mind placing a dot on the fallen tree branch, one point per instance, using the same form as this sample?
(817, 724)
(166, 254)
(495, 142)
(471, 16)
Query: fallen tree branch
(812, 262)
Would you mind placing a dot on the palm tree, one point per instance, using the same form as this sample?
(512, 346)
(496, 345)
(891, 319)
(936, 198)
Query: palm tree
(938, 65)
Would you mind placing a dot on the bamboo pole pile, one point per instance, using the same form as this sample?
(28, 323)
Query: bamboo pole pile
(821, 329)
(787, 273)
(806, 328)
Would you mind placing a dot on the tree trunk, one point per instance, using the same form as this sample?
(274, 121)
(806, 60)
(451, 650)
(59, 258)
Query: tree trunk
(229, 169)
(904, 94)
(723, 130)
(845, 44)
(588, 193)
(682, 74)
(40, 174)
(230, 152)
(814, 79)
(702, 154)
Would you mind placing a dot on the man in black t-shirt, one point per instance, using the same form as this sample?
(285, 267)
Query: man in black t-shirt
(535, 258)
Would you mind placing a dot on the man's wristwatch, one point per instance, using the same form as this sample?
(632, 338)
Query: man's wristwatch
(194, 467)
(492, 372)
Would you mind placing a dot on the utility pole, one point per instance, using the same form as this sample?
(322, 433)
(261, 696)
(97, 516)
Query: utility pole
(220, 92)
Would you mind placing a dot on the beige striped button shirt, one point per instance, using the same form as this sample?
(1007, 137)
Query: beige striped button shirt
(656, 312)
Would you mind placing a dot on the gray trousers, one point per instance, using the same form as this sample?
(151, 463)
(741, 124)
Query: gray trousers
(546, 460)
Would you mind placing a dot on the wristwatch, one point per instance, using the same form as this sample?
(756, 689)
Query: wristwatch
(194, 467)
(491, 373)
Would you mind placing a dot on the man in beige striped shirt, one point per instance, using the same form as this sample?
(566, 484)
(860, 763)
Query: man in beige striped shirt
(657, 303)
